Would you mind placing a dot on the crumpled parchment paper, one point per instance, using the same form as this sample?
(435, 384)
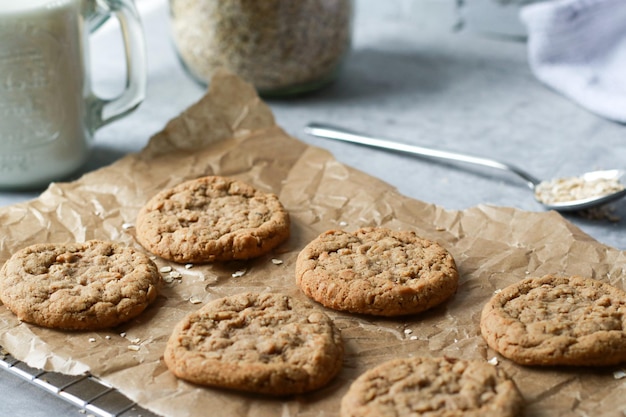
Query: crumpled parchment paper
(231, 132)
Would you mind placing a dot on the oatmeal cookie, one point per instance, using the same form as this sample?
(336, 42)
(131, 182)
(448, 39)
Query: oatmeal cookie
(78, 286)
(556, 320)
(376, 271)
(263, 343)
(433, 387)
(212, 219)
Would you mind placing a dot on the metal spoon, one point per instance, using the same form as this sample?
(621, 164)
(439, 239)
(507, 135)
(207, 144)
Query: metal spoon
(338, 133)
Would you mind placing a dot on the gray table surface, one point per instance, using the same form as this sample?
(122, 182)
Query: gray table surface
(409, 77)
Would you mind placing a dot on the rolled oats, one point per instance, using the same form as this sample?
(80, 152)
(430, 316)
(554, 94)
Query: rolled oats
(562, 190)
(274, 44)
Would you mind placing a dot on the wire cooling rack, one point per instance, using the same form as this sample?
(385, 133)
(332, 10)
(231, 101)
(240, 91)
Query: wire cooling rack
(84, 391)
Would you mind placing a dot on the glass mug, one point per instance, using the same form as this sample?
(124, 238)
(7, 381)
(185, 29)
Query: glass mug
(48, 111)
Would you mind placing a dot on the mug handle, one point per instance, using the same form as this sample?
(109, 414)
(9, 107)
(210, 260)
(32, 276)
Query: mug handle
(105, 111)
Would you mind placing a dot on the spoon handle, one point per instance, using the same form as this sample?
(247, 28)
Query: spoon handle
(338, 133)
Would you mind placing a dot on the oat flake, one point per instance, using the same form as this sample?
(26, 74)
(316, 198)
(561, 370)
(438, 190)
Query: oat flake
(619, 374)
(562, 190)
(195, 300)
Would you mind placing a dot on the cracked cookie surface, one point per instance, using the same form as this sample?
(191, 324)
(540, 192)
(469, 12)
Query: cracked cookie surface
(78, 286)
(432, 387)
(263, 343)
(376, 271)
(557, 320)
(212, 219)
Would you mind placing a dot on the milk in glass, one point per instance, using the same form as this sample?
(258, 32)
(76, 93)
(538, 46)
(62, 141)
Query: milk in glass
(42, 115)
(48, 110)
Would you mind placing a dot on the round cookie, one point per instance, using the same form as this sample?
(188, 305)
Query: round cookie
(78, 286)
(433, 387)
(376, 271)
(555, 320)
(263, 343)
(212, 219)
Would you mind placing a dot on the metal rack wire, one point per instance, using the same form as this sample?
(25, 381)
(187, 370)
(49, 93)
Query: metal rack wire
(84, 391)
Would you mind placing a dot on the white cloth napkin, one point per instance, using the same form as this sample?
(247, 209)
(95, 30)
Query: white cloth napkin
(578, 48)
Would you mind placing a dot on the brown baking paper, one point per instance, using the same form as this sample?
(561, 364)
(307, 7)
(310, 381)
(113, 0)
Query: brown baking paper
(231, 132)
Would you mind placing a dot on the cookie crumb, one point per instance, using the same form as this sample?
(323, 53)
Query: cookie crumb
(188, 266)
(127, 226)
(92, 340)
(134, 348)
(195, 300)
(107, 337)
(277, 261)
(123, 334)
(498, 291)
(165, 269)
(343, 224)
(413, 337)
(493, 361)
(408, 331)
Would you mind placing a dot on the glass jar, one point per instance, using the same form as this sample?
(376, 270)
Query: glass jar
(282, 47)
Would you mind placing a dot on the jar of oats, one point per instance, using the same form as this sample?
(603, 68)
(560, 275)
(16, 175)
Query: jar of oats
(282, 47)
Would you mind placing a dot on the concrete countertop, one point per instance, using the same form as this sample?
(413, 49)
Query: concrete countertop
(410, 77)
